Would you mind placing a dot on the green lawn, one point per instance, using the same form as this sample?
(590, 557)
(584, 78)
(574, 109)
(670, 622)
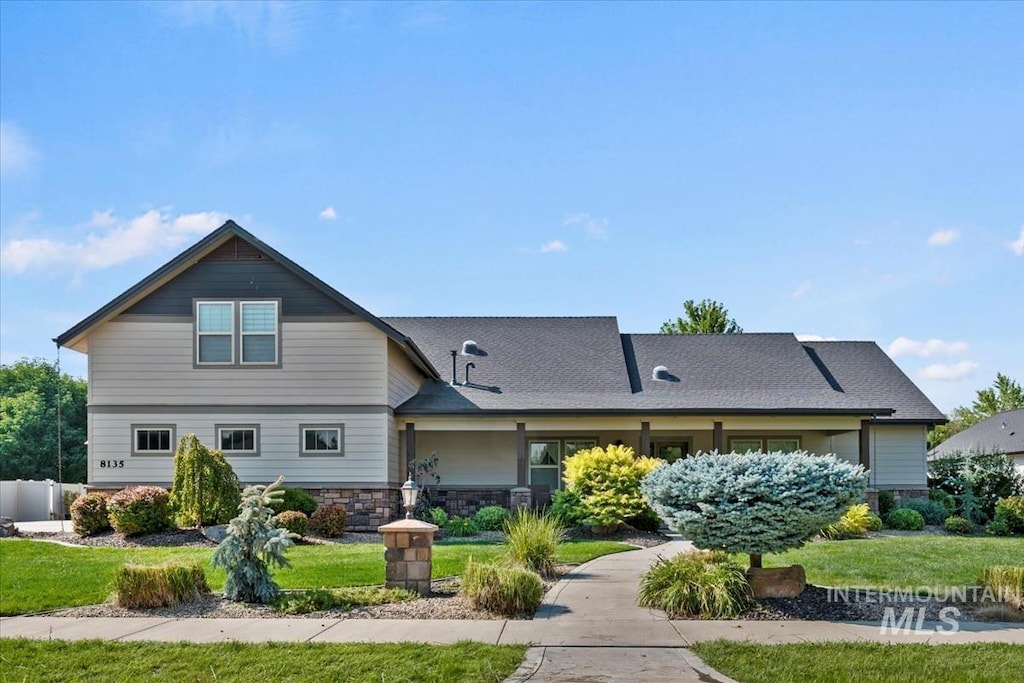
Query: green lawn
(863, 662)
(37, 576)
(900, 561)
(94, 660)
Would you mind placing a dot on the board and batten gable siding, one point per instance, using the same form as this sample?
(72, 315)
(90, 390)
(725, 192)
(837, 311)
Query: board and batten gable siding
(149, 361)
(898, 456)
(363, 462)
(403, 378)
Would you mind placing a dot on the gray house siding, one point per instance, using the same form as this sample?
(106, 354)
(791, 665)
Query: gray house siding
(902, 463)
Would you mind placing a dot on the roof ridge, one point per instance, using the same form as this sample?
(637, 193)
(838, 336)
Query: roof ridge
(501, 317)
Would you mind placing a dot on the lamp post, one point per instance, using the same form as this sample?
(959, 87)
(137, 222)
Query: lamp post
(410, 492)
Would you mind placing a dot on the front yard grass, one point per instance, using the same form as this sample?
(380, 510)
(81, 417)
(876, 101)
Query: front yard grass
(95, 660)
(37, 576)
(863, 662)
(900, 561)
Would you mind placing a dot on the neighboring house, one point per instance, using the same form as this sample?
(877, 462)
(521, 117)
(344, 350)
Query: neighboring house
(1003, 433)
(236, 343)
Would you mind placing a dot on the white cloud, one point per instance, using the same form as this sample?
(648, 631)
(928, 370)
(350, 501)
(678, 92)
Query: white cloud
(554, 246)
(813, 338)
(902, 346)
(1017, 246)
(801, 289)
(948, 372)
(942, 238)
(595, 228)
(114, 240)
(862, 242)
(329, 214)
(17, 155)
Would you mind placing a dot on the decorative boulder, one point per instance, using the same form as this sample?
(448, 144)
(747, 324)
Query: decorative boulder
(781, 582)
(7, 528)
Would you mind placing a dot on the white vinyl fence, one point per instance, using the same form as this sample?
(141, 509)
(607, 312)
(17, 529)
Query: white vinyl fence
(34, 501)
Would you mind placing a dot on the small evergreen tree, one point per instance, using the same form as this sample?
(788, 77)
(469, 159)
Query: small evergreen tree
(206, 489)
(755, 503)
(253, 545)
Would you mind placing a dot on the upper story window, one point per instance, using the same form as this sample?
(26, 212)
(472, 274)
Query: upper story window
(232, 333)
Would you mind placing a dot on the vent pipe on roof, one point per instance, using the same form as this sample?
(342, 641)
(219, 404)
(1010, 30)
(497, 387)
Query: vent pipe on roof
(468, 366)
(470, 348)
(661, 373)
(455, 379)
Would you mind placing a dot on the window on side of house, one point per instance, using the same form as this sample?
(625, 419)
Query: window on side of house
(215, 332)
(239, 439)
(747, 444)
(322, 439)
(259, 332)
(152, 439)
(670, 451)
(545, 463)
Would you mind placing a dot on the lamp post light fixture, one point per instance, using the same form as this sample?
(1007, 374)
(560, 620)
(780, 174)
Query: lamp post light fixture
(410, 492)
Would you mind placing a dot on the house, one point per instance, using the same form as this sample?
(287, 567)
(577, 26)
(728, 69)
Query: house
(1001, 433)
(236, 343)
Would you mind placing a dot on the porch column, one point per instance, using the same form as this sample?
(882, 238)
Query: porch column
(521, 454)
(410, 444)
(719, 438)
(865, 443)
(645, 438)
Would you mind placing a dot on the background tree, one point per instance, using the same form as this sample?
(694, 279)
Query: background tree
(1004, 394)
(707, 317)
(28, 422)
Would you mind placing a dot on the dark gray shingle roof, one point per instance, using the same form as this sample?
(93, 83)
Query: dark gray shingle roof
(1001, 432)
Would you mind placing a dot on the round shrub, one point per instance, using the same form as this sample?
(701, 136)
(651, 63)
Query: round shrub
(140, 510)
(438, 517)
(1011, 510)
(294, 521)
(905, 519)
(958, 525)
(459, 527)
(607, 481)
(490, 518)
(89, 514)
(874, 522)
(329, 521)
(704, 584)
(567, 509)
(297, 500)
(934, 513)
(504, 589)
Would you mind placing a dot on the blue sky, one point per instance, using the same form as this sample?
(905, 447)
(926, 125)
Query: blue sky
(851, 171)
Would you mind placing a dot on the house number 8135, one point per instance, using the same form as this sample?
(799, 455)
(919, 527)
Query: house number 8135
(111, 463)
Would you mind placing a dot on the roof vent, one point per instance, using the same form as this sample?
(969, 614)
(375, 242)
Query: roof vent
(661, 373)
(470, 348)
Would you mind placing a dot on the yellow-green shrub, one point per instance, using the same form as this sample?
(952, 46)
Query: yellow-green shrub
(164, 585)
(855, 522)
(1006, 582)
(607, 481)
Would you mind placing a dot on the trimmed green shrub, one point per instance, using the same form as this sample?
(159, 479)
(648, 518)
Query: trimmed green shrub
(1011, 510)
(294, 521)
(206, 490)
(347, 598)
(253, 545)
(933, 513)
(89, 514)
(329, 521)
(438, 517)
(958, 525)
(854, 522)
(998, 527)
(986, 476)
(460, 527)
(503, 589)
(905, 519)
(165, 585)
(886, 502)
(874, 522)
(297, 500)
(705, 584)
(567, 509)
(533, 540)
(754, 503)
(1006, 582)
(490, 518)
(607, 481)
(648, 520)
(140, 510)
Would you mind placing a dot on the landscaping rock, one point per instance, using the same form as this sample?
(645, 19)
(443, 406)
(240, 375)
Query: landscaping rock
(7, 528)
(782, 582)
(216, 533)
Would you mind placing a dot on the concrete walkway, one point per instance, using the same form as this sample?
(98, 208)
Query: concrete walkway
(588, 629)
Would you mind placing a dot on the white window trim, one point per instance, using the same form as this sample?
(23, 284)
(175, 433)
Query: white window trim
(242, 333)
(199, 334)
(229, 452)
(136, 428)
(329, 452)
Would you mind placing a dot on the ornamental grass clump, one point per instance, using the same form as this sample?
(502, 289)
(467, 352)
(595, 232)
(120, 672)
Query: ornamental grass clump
(754, 503)
(166, 585)
(252, 546)
(1007, 583)
(140, 510)
(89, 514)
(206, 489)
(504, 589)
(854, 522)
(704, 584)
(607, 482)
(533, 540)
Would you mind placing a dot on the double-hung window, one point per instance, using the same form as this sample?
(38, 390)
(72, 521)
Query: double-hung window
(259, 332)
(215, 332)
(232, 333)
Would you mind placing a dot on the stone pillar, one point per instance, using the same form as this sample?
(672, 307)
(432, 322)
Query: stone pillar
(520, 497)
(408, 546)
